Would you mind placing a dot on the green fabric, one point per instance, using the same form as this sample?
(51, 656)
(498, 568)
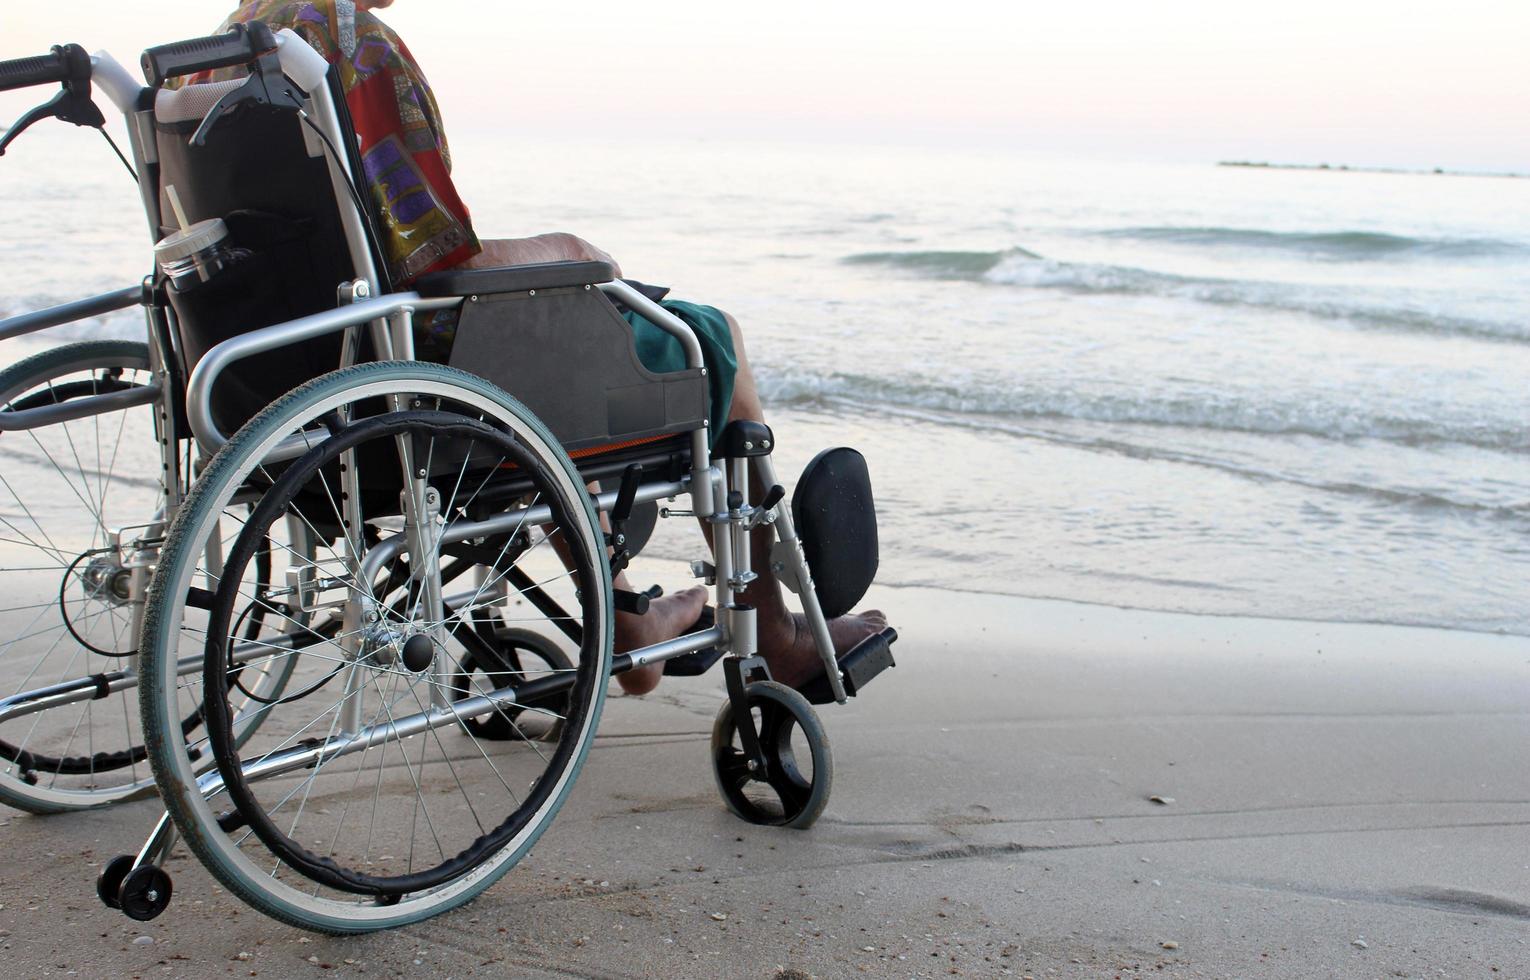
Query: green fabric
(661, 352)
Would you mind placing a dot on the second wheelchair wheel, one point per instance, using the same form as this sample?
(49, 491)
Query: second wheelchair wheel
(499, 657)
(81, 521)
(792, 788)
(75, 496)
(375, 795)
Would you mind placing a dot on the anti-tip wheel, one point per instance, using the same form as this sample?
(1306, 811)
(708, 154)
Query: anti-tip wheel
(145, 893)
(799, 770)
(109, 882)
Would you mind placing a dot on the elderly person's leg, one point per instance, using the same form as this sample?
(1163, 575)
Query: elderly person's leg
(785, 640)
(667, 617)
(784, 637)
(558, 246)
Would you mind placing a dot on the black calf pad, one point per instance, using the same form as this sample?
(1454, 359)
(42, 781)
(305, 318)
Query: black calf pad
(836, 520)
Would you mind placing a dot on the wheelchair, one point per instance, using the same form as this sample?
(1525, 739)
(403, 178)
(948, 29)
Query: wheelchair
(366, 605)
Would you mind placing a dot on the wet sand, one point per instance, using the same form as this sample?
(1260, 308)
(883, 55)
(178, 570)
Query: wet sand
(1339, 800)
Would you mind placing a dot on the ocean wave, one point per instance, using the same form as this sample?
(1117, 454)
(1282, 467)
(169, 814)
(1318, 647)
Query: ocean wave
(819, 393)
(1010, 402)
(1023, 268)
(943, 265)
(1358, 246)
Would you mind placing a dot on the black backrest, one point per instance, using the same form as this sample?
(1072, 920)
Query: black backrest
(272, 186)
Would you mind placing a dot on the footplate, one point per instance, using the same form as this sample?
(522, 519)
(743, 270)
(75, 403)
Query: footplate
(865, 660)
(698, 663)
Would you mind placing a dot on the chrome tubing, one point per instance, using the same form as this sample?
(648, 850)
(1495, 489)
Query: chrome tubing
(665, 320)
(98, 686)
(678, 647)
(811, 610)
(79, 408)
(217, 360)
(344, 183)
(701, 446)
(386, 550)
(352, 221)
(313, 756)
(81, 309)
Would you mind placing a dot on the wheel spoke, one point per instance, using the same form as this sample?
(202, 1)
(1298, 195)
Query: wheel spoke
(66, 496)
(390, 804)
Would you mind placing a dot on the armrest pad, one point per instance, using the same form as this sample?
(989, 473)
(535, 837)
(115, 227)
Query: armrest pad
(513, 278)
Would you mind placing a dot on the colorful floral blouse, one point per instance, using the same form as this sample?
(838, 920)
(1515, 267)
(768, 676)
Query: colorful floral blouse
(407, 163)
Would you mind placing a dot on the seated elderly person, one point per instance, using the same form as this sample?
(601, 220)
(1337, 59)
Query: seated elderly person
(427, 228)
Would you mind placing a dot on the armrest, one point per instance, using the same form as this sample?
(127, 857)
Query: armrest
(513, 278)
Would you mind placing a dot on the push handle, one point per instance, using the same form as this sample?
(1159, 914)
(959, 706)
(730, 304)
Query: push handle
(69, 64)
(240, 46)
(60, 65)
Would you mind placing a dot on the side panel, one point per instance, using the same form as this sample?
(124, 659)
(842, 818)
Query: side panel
(569, 356)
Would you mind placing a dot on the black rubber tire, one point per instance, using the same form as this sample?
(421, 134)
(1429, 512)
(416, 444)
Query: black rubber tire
(109, 882)
(500, 727)
(801, 800)
(145, 893)
(125, 353)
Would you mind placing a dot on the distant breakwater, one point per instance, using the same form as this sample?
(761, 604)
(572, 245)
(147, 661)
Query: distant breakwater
(1346, 168)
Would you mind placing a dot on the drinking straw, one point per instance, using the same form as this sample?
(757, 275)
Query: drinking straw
(175, 205)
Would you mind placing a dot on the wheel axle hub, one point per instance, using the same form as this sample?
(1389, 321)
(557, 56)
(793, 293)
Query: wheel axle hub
(104, 579)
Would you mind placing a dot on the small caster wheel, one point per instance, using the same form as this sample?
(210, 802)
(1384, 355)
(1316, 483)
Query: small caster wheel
(517, 656)
(145, 893)
(799, 771)
(109, 882)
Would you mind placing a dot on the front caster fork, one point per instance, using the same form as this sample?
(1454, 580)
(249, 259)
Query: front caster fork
(738, 672)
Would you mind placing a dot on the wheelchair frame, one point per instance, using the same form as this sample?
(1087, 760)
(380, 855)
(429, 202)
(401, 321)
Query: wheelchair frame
(717, 487)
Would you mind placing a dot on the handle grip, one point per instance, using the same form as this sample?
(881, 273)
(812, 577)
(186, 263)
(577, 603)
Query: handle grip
(240, 46)
(25, 72)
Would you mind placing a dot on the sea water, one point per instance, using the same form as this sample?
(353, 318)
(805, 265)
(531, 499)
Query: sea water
(1164, 385)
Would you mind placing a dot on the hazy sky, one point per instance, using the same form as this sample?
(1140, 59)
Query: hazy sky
(1395, 82)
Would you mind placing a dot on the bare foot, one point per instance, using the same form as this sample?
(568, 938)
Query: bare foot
(792, 654)
(666, 618)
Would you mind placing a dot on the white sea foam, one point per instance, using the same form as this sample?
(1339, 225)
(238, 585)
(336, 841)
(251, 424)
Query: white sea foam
(1344, 245)
(1267, 413)
(1023, 268)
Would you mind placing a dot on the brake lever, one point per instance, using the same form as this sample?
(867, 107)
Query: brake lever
(266, 86)
(72, 104)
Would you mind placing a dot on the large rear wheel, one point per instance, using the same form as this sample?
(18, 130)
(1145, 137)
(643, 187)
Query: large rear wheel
(381, 788)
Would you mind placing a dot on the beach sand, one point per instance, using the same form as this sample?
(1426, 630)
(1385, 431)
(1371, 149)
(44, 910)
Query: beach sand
(1339, 800)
